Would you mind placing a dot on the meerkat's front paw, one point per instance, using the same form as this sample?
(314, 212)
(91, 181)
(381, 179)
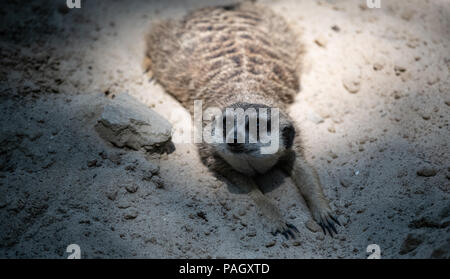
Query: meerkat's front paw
(326, 218)
(272, 218)
(281, 227)
(287, 230)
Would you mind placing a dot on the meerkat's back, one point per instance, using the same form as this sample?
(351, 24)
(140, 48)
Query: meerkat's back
(223, 55)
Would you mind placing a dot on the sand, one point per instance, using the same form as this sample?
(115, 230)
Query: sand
(373, 111)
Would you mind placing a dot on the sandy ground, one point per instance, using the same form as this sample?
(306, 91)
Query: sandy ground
(373, 108)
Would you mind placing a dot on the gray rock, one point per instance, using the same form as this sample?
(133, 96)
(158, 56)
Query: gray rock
(126, 122)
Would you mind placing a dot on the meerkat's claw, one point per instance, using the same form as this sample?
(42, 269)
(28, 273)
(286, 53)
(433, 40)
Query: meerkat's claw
(327, 220)
(289, 225)
(288, 230)
(326, 227)
(323, 228)
(335, 219)
(326, 223)
(330, 225)
(285, 234)
(291, 234)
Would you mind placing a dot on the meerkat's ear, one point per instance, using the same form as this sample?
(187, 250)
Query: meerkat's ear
(288, 133)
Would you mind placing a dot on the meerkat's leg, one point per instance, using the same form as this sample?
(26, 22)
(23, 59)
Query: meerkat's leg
(306, 179)
(271, 214)
(272, 218)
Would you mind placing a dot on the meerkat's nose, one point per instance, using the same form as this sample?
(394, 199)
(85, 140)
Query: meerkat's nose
(235, 147)
(234, 144)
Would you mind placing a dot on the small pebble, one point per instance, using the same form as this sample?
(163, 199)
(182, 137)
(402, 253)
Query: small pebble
(159, 182)
(377, 67)
(321, 41)
(312, 226)
(132, 188)
(92, 163)
(335, 28)
(332, 155)
(345, 182)
(131, 214)
(426, 116)
(399, 69)
(314, 117)
(112, 195)
(351, 85)
(433, 80)
(331, 129)
(123, 205)
(426, 171)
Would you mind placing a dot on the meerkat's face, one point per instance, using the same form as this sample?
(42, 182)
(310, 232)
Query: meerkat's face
(254, 137)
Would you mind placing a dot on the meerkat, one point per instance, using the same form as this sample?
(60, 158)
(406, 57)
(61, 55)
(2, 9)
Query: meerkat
(241, 56)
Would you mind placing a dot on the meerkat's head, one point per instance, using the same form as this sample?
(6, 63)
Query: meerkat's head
(254, 137)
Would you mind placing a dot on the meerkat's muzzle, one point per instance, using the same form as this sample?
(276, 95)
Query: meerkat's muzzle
(235, 147)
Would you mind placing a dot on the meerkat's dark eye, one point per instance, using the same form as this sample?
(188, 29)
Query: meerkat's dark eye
(224, 127)
(229, 7)
(288, 136)
(268, 125)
